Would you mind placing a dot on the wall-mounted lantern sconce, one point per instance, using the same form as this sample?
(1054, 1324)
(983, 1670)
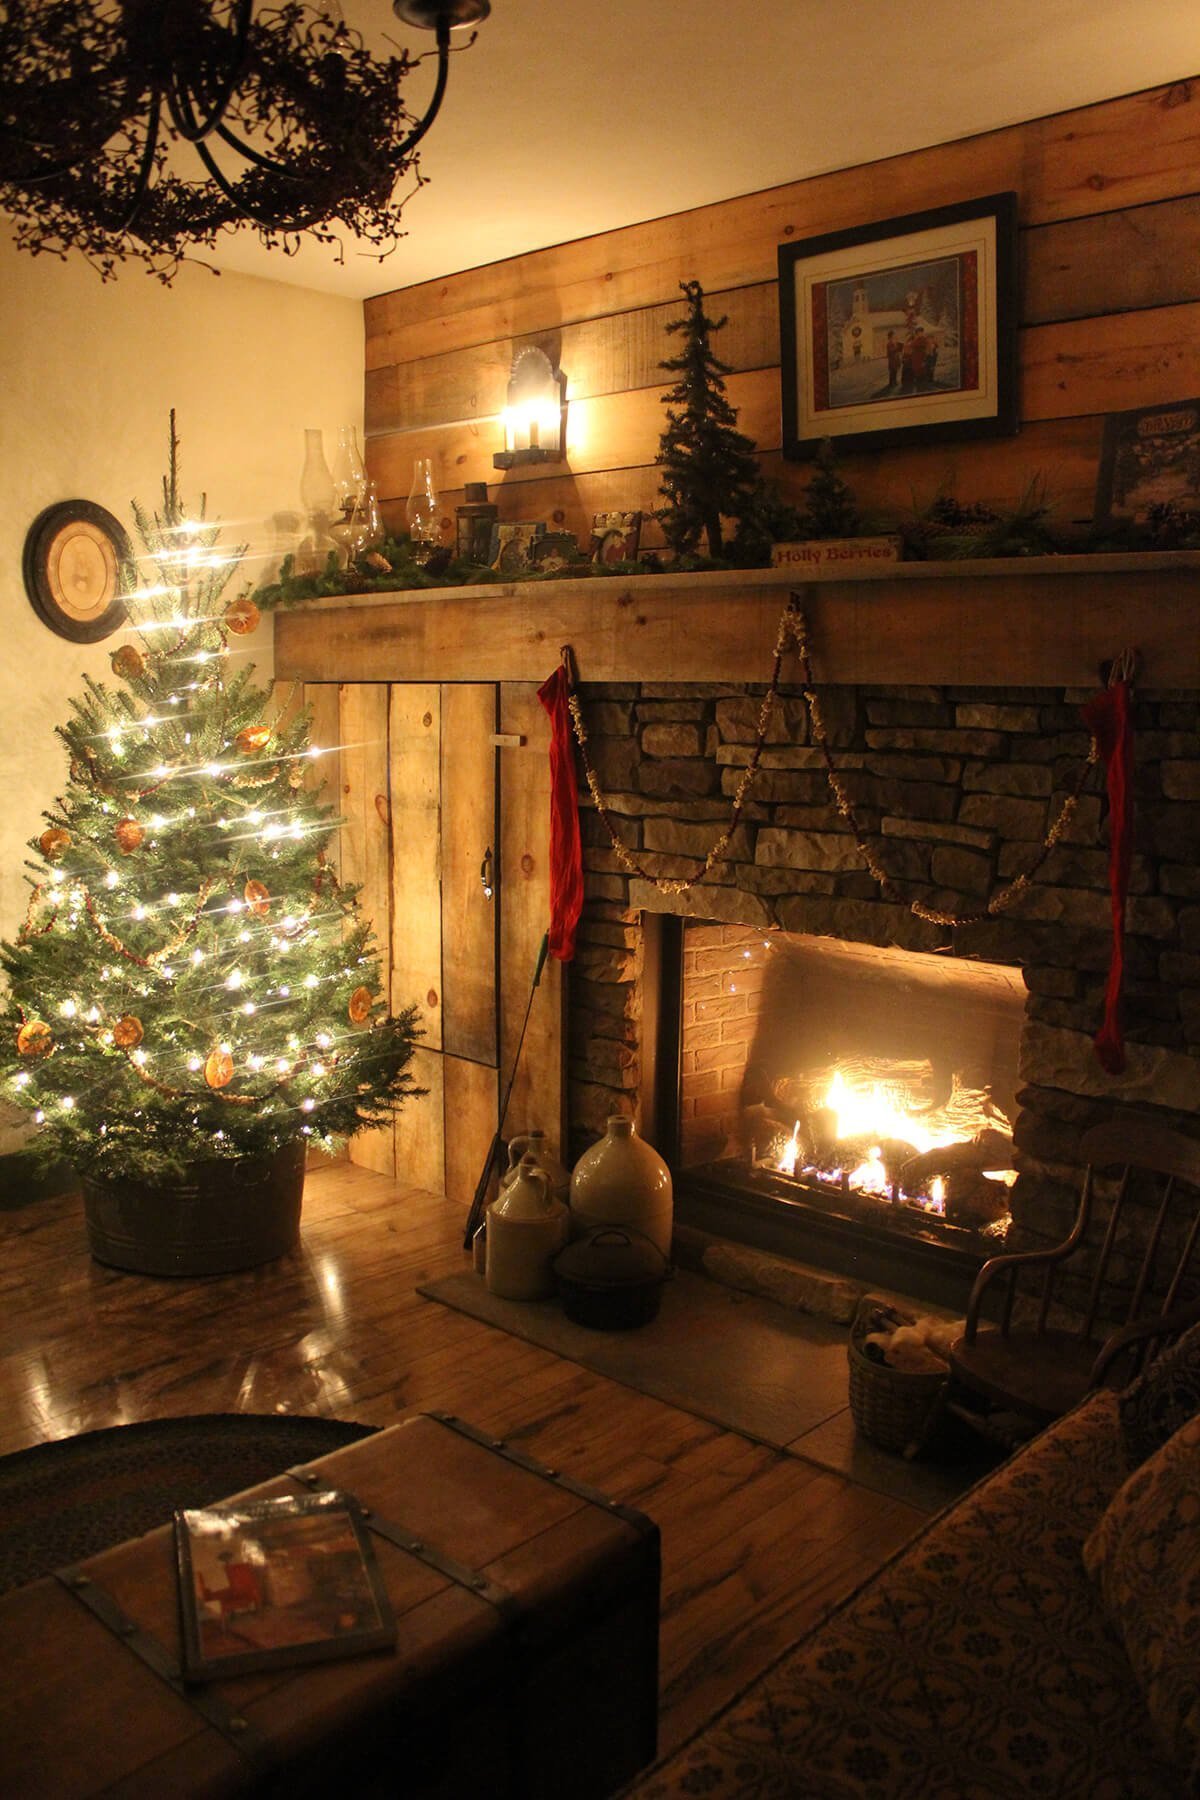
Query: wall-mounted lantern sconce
(536, 414)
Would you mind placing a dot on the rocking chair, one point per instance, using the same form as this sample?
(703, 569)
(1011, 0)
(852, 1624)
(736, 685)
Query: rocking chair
(1026, 1366)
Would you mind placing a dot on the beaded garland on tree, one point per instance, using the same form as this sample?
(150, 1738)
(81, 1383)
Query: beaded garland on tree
(191, 980)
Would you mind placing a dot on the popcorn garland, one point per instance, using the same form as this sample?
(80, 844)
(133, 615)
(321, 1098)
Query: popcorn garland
(1000, 901)
(720, 849)
(793, 631)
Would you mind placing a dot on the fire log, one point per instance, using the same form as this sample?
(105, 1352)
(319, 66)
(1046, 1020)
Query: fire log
(991, 1149)
(973, 1201)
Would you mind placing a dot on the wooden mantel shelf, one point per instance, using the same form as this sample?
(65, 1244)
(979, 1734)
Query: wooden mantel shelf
(1047, 621)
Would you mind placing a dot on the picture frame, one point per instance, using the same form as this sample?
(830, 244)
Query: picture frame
(78, 565)
(554, 551)
(902, 331)
(273, 1582)
(1150, 457)
(511, 544)
(616, 536)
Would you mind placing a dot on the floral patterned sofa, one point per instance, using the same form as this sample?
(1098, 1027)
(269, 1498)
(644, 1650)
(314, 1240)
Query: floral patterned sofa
(985, 1659)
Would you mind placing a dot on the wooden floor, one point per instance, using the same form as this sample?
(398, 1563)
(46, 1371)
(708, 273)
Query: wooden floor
(756, 1545)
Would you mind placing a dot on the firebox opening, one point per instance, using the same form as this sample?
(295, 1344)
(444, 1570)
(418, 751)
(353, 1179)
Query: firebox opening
(873, 1083)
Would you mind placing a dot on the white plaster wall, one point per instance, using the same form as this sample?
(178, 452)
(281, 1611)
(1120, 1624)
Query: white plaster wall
(88, 374)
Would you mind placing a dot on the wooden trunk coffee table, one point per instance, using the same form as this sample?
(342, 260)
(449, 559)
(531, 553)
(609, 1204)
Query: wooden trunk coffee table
(525, 1663)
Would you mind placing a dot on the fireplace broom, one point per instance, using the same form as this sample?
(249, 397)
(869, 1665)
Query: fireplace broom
(479, 1199)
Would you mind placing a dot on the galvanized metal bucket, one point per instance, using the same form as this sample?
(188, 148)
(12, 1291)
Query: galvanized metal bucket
(221, 1216)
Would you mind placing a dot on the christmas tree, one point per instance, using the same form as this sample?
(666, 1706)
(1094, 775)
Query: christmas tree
(829, 503)
(709, 465)
(191, 980)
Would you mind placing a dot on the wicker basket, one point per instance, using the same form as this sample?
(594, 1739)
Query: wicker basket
(890, 1407)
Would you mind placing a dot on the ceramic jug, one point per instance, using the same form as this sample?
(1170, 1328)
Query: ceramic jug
(526, 1228)
(623, 1181)
(534, 1143)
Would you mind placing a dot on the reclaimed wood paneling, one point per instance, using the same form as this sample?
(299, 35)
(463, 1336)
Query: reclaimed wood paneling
(1097, 365)
(469, 831)
(471, 1109)
(1110, 364)
(421, 1126)
(1110, 319)
(600, 356)
(1116, 154)
(321, 775)
(538, 1088)
(365, 851)
(1141, 256)
(415, 758)
(1111, 262)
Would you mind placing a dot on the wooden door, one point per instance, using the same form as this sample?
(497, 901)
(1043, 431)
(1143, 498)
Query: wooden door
(445, 794)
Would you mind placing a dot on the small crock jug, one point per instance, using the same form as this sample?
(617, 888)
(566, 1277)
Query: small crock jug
(535, 1143)
(526, 1228)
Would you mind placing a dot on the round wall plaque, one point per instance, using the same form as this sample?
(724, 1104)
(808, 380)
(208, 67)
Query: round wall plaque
(78, 564)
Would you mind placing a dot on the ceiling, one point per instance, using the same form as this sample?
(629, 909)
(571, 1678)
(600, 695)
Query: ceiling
(571, 118)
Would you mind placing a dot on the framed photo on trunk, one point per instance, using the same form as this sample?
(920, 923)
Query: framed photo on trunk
(288, 1580)
(901, 331)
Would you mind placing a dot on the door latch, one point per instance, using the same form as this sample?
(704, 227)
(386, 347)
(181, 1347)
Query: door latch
(485, 874)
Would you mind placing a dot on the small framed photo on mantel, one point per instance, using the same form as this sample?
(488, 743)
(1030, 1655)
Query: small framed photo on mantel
(1150, 460)
(903, 331)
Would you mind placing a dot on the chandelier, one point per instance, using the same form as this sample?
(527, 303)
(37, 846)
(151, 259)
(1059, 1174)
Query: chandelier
(296, 125)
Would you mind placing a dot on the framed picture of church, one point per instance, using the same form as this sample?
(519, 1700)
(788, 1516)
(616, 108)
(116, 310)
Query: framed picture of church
(902, 331)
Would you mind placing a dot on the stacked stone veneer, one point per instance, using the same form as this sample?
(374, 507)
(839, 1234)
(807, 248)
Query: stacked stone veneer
(957, 788)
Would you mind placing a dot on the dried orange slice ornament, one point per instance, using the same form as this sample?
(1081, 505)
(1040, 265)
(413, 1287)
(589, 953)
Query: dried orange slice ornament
(218, 1070)
(127, 1032)
(128, 662)
(361, 1003)
(35, 1038)
(242, 616)
(52, 843)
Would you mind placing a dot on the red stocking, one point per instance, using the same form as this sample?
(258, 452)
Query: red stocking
(566, 854)
(1107, 716)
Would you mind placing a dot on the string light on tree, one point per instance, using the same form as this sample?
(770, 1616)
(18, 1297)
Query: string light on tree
(157, 928)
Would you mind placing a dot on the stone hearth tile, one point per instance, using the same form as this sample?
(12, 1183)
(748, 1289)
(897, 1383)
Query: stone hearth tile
(925, 1482)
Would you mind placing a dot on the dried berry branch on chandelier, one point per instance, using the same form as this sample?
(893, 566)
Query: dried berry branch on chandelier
(296, 125)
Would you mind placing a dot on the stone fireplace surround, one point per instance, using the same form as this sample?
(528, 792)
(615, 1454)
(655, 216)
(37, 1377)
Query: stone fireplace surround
(957, 777)
(957, 786)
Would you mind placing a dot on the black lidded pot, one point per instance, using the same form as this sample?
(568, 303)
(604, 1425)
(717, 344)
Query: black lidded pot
(611, 1280)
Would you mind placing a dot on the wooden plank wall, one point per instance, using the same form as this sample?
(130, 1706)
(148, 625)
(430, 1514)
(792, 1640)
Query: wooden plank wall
(1109, 200)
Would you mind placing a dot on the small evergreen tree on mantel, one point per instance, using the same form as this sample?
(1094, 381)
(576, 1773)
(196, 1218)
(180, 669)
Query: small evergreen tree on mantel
(709, 466)
(191, 980)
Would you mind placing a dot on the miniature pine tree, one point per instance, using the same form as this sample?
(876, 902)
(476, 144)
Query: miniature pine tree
(191, 980)
(709, 465)
(829, 502)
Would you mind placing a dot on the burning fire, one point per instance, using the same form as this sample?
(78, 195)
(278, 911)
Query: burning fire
(882, 1119)
(881, 1110)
